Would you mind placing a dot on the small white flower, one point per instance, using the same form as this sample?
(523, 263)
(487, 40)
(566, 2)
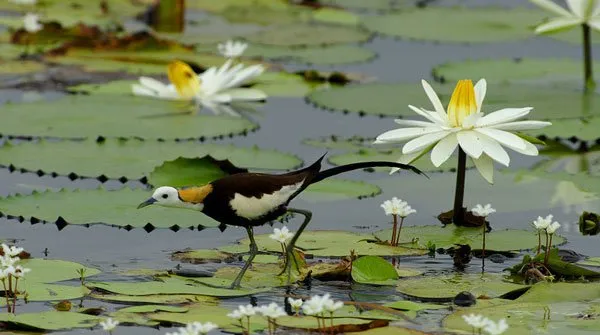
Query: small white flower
(242, 311)
(20, 271)
(314, 305)
(3, 274)
(204, 328)
(493, 328)
(543, 223)
(10, 270)
(281, 235)
(109, 324)
(295, 303)
(232, 49)
(7, 260)
(331, 306)
(271, 311)
(578, 13)
(31, 23)
(397, 207)
(476, 321)
(11, 251)
(484, 211)
(552, 227)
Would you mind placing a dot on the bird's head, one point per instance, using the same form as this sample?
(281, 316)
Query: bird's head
(167, 196)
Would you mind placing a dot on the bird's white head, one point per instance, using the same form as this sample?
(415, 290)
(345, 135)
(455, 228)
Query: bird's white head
(168, 196)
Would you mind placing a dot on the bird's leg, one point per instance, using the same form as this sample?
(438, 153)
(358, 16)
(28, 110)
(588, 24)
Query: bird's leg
(290, 247)
(253, 252)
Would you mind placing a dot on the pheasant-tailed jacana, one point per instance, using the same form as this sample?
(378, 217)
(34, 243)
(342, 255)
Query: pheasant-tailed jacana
(253, 199)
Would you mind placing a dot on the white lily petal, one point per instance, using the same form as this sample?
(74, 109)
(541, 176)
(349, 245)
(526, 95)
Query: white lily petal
(529, 150)
(505, 138)
(435, 100)
(416, 123)
(557, 24)
(469, 142)
(578, 7)
(551, 6)
(522, 125)
(502, 116)
(426, 115)
(480, 90)
(246, 94)
(143, 91)
(403, 134)
(594, 23)
(493, 149)
(485, 166)
(424, 141)
(443, 150)
(470, 121)
(408, 159)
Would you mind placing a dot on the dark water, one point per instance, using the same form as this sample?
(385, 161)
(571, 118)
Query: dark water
(284, 123)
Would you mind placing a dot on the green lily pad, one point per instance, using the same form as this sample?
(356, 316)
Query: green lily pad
(407, 305)
(52, 292)
(371, 4)
(117, 208)
(374, 270)
(167, 299)
(456, 24)
(81, 116)
(201, 256)
(335, 16)
(309, 322)
(339, 189)
(20, 67)
(48, 320)
(520, 70)
(171, 285)
(561, 292)
(560, 156)
(139, 158)
(445, 237)
(393, 100)
(581, 129)
(444, 288)
(154, 308)
(328, 244)
(54, 270)
(335, 54)
(295, 35)
(389, 330)
(591, 261)
(260, 276)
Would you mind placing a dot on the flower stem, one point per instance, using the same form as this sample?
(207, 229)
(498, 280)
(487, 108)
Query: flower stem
(587, 58)
(483, 248)
(399, 230)
(393, 241)
(547, 251)
(459, 194)
(6, 295)
(539, 249)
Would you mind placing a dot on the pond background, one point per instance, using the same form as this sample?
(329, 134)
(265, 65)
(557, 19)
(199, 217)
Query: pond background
(284, 123)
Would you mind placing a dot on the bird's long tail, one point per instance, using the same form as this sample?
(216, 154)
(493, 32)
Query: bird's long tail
(362, 165)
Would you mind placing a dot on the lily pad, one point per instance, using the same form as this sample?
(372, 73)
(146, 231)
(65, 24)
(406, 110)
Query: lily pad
(561, 292)
(457, 24)
(336, 54)
(407, 305)
(154, 308)
(448, 236)
(260, 276)
(371, 4)
(444, 288)
(171, 285)
(519, 70)
(139, 158)
(339, 189)
(54, 270)
(591, 261)
(52, 292)
(81, 117)
(20, 67)
(295, 35)
(201, 256)
(167, 299)
(49, 320)
(389, 330)
(374, 270)
(328, 244)
(581, 129)
(84, 207)
(392, 100)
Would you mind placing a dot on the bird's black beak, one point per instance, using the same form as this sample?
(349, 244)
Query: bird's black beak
(146, 203)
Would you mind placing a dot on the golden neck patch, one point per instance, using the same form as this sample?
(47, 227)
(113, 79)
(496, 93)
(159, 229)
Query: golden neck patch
(195, 195)
(184, 78)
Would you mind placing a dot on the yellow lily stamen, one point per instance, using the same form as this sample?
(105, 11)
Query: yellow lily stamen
(184, 78)
(462, 103)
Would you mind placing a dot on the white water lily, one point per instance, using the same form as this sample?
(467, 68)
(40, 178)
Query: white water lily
(11, 251)
(476, 321)
(314, 305)
(398, 207)
(578, 12)
(494, 328)
(109, 324)
(31, 23)
(7, 260)
(484, 211)
(331, 305)
(242, 311)
(232, 49)
(542, 223)
(552, 227)
(214, 88)
(281, 235)
(20, 271)
(271, 311)
(480, 136)
(296, 304)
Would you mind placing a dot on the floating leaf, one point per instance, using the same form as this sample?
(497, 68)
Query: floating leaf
(54, 270)
(166, 299)
(20, 67)
(581, 129)
(407, 305)
(336, 54)
(392, 100)
(138, 158)
(154, 308)
(52, 292)
(448, 236)
(309, 35)
(339, 189)
(389, 330)
(116, 208)
(456, 24)
(192, 171)
(371, 4)
(444, 288)
(561, 292)
(328, 244)
(49, 320)
(81, 116)
(373, 270)
(201, 256)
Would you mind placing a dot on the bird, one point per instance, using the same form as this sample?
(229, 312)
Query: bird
(252, 199)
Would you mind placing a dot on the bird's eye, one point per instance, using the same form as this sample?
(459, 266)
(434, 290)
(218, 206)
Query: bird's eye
(164, 196)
